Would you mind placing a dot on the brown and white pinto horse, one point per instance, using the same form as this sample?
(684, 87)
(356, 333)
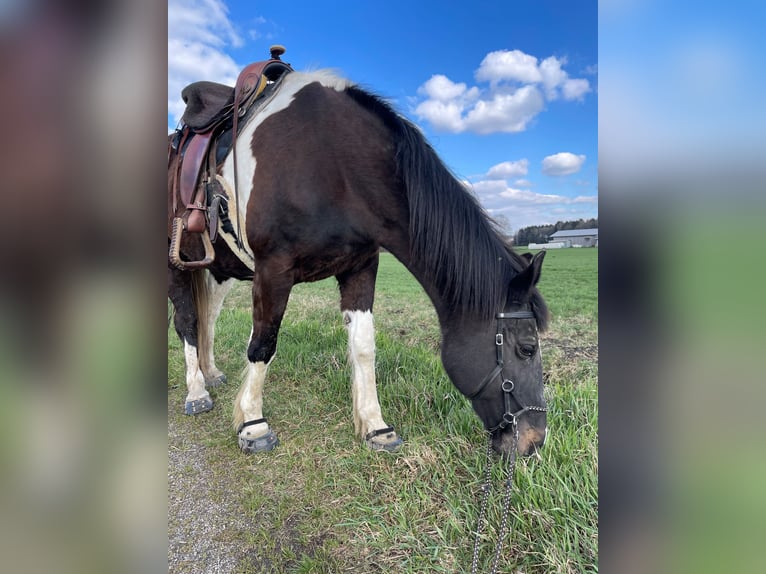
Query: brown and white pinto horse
(329, 174)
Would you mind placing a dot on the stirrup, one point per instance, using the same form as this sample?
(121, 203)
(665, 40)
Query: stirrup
(175, 248)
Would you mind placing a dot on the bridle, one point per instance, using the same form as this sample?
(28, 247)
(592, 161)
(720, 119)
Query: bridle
(509, 419)
(509, 416)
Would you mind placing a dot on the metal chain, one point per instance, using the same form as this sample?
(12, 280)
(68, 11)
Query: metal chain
(506, 504)
(485, 496)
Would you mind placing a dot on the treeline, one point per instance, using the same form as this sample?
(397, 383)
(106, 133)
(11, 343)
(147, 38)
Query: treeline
(540, 233)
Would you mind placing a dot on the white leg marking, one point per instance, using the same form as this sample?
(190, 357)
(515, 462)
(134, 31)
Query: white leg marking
(361, 351)
(195, 381)
(216, 294)
(248, 405)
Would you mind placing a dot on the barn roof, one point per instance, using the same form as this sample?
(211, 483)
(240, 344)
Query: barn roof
(575, 233)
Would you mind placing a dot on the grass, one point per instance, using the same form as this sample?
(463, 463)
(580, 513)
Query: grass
(322, 502)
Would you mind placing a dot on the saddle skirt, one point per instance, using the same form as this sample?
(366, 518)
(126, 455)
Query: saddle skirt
(207, 103)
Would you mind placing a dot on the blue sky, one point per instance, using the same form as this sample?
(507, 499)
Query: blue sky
(506, 92)
(682, 90)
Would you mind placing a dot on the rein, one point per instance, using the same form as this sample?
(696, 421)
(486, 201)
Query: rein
(510, 419)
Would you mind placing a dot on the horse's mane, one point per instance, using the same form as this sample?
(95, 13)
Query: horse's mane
(451, 235)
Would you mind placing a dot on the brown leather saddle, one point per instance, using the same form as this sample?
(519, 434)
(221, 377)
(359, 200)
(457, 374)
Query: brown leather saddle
(208, 131)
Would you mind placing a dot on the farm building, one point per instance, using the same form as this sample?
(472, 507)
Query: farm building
(577, 237)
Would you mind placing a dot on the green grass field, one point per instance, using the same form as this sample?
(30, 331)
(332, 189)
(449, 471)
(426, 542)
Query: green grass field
(322, 502)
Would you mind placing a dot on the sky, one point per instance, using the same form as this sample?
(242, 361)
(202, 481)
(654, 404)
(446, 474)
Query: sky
(682, 90)
(506, 92)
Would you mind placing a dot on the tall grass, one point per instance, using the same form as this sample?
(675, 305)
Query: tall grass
(322, 502)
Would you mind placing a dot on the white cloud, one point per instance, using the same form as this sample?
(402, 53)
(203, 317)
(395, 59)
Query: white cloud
(445, 103)
(523, 207)
(442, 89)
(508, 169)
(198, 30)
(205, 21)
(518, 87)
(490, 190)
(444, 116)
(552, 76)
(505, 112)
(508, 65)
(563, 163)
(575, 89)
(526, 196)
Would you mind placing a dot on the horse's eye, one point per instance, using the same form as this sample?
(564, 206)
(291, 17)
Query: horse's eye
(527, 350)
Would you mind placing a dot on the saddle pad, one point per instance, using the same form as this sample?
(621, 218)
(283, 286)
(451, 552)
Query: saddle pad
(243, 253)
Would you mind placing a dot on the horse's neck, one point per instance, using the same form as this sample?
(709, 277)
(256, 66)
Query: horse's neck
(447, 316)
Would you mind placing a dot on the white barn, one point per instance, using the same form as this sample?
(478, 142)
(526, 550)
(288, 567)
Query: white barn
(579, 237)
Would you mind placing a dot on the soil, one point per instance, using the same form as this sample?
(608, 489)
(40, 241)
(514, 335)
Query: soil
(205, 526)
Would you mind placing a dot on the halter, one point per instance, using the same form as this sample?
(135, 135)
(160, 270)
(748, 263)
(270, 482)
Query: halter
(509, 416)
(509, 419)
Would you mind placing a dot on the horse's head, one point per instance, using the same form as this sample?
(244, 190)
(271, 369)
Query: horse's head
(498, 365)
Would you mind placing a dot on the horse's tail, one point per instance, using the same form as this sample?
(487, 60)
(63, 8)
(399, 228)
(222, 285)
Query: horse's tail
(200, 291)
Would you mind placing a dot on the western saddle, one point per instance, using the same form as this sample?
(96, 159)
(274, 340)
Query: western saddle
(208, 131)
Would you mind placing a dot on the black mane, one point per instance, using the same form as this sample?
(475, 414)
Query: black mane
(451, 235)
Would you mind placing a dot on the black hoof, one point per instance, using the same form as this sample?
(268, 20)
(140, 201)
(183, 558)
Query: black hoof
(384, 439)
(262, 443)
(216, 381)
(198, 406)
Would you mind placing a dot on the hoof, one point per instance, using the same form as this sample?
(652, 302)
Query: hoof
(259, 444)
(384, 439)
(198, 406)
(216, 381)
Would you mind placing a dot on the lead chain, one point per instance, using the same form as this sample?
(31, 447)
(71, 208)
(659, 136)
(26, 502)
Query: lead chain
(506, 504)
(507, 501)
(485, 496)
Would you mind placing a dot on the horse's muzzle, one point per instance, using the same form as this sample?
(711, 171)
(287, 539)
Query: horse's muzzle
(531, 439)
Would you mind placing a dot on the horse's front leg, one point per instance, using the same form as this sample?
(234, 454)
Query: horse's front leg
(269, 301)
(357, 294)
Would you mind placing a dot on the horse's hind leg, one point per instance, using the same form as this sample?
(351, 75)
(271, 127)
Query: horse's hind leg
(269, 302)
(181, 294)
(357, 291)
(217, 291)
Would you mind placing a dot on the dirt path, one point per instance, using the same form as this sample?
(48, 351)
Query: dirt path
(205, 525)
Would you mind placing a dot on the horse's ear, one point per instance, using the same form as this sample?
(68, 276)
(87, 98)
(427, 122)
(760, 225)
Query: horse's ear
(528, 278)
(527, 256)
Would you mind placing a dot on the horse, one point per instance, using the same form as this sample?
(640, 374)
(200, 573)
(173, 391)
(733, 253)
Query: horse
(328, 174)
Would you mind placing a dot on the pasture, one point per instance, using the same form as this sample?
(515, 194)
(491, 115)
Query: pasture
(322, 502)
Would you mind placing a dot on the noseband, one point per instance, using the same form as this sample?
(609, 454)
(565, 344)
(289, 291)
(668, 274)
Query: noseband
(509, 416)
